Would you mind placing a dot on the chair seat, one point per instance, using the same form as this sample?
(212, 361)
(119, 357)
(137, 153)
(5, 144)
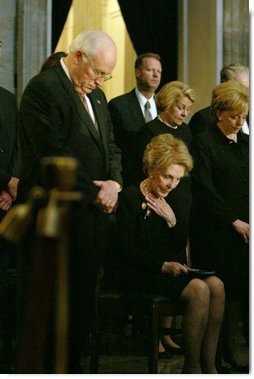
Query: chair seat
(138, 297)
(148, 306)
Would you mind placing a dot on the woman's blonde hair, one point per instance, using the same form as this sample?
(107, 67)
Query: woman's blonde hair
(165, 150)
(230, 96)
(171, 92)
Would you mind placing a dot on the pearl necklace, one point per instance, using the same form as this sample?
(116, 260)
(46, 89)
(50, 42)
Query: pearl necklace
(143, 187)
(166, 123)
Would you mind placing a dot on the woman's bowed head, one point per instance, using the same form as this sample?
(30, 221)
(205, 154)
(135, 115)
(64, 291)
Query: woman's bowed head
(166, 160)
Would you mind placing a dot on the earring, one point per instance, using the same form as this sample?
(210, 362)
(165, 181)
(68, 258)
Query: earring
(220, 118)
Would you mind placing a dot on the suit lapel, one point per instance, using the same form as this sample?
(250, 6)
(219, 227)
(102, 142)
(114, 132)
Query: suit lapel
(78, 105)
(99, 112)
(134, 107)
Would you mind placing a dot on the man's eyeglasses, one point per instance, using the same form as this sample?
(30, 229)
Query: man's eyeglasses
(97, 73)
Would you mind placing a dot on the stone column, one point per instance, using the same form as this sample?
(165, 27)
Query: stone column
(33, 39)
(236, 32)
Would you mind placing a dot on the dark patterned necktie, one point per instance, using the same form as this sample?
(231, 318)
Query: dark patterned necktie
(148, 114)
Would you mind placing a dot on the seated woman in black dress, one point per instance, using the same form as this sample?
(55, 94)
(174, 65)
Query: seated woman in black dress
(174, 102)
(153, 234)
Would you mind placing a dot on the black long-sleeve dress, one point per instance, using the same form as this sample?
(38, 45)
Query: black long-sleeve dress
(220, 196)
(146, 242)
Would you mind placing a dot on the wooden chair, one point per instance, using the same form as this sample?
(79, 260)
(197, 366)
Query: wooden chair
(149, 307)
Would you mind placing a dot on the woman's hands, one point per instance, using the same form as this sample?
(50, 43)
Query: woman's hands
(162, 208)
(174, 268)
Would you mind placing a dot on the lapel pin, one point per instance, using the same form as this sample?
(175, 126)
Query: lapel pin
(98, 101)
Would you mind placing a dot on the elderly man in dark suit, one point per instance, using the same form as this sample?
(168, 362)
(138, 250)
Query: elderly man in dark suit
(64, 113)
(131, 110)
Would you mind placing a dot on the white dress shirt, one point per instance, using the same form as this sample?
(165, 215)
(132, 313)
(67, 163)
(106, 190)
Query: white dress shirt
(142, 101)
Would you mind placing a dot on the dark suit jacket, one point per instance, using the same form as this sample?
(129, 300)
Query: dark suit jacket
(201, 119)
(221, 196)
(8, 135)
(126, 115)
(54, 122)
(127, 118)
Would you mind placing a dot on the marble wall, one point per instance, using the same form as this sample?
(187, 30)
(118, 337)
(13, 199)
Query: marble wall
(211, 34)
(33, 39)
(8, 44)
(25, 35)
(236, 32)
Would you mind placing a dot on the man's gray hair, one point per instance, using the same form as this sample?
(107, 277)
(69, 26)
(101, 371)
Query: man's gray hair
(90, 41)
(232, 71)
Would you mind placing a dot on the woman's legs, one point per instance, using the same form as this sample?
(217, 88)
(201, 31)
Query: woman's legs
(196, 298)
(203, 313)
(211, 336)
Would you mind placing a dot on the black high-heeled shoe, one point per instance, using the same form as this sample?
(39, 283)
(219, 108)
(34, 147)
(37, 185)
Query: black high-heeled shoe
(172, 350)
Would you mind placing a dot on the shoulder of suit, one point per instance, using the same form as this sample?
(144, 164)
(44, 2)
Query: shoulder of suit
(203, 112)
(124, 97)
(6, 93)
(244, 137)
(208, 133)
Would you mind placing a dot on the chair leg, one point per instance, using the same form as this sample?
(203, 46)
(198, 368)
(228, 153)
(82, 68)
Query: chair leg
(153, 341)
(94, 348)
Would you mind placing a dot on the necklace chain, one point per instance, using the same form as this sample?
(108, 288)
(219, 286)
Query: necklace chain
(143, 187)
(166, 123)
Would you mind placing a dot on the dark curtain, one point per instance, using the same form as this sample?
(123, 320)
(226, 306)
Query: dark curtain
(60, 10)
(152, 27)
(151, 24)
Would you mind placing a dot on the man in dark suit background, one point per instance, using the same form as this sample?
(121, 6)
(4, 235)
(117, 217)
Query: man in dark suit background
(8, 150)
(204, 118)
(64, 113)
(9, 173)
(131, 110)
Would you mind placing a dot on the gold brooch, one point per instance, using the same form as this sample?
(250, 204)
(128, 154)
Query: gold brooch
(148, 211)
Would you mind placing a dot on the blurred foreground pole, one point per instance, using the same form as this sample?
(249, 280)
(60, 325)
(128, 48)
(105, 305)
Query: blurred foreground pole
(43, 345)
